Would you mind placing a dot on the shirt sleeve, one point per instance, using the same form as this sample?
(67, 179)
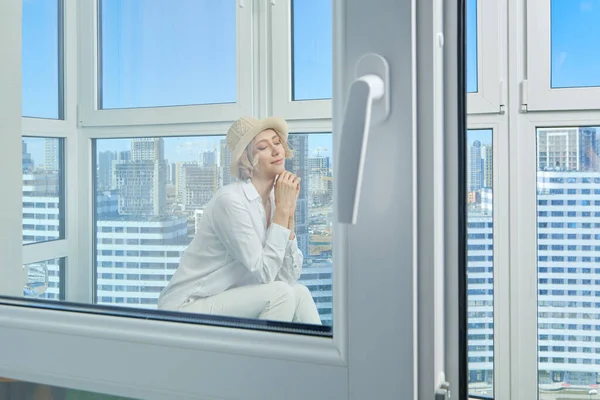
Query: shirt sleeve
(292, 263)
(233, 225)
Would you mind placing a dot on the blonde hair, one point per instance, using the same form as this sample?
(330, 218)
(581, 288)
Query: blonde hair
(247, 163)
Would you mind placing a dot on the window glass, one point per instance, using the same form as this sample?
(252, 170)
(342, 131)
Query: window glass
(43, 191)
(41, 59)
(567, 158)
(312, 49)
(575, 43)
(167, 53)
(155, 191)
(480, 262)
(471, 47)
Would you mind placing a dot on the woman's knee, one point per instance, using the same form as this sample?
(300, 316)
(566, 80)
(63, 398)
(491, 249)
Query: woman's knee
(301, 291)
(282, 289)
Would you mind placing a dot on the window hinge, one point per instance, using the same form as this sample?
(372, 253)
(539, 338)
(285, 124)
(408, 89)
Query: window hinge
(272, 2)
(241, 3)
(524, 95)
(502, 98)
(78, 115)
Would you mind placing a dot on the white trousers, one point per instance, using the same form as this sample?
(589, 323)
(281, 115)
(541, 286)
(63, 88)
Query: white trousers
(276, 301)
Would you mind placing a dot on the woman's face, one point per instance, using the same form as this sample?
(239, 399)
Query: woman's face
(270, 154)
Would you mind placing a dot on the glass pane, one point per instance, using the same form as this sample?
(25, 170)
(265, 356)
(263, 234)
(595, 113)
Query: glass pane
(41, 67)
(575, 43)
(167, 53)
(568, 253)
(45, 279)
(480, 262)
(312, 51)
(43, 191)
(471, 47)
(154, 198)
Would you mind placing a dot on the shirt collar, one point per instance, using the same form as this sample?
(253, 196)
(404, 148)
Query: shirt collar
(251, 192)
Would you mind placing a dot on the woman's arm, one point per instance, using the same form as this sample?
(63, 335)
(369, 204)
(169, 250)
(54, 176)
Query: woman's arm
(292, 262)
(233, 226)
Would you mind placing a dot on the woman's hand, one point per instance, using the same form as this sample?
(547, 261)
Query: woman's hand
(286, 191)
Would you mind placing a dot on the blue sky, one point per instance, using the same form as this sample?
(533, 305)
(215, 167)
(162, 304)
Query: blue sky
(148, 60)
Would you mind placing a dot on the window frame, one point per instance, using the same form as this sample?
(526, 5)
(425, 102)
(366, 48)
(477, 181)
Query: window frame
(281, 82)
(89, 114)
(357, 357)
(501, 274)
(490, 97)
(538, 92)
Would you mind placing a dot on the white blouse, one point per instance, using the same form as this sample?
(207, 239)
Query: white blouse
(232, 248)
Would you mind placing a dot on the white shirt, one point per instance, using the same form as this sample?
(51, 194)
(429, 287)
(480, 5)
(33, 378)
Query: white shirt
(232, 248)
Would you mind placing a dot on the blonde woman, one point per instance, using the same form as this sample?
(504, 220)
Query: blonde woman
(244, 260)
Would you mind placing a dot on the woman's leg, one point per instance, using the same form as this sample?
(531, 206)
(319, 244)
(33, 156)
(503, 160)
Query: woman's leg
(306, 310)
(273, 301)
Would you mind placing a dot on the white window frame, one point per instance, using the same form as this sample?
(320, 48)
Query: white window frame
(524, 275)
(91, 115)
(538, 95)
(281, 61)
(491, 59)
(65, 129)
(152, 359)
(501, 274)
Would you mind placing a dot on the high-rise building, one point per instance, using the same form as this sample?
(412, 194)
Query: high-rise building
(206, 158)
(224, 165)
(27, 161)
(41, 220)
(487, 154)
(558, 149)
(142, 181)
(148, 149)
(298, 166)
(196, 185)
(319, 180)
(104, 175)
(588, 149)
(52, 154)
(474, 167)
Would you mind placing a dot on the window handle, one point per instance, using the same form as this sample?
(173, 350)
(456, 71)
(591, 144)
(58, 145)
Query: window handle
(367, 105)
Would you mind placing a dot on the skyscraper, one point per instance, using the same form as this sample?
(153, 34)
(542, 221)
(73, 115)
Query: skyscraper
(588, 149)
(142, 182)
(487, 154)
(319, 181)
(105, 169)
(52, 154)
(206, 158)
(474, 168)
(558, 149)
(27, 162)
(298, 165)
(225, 161)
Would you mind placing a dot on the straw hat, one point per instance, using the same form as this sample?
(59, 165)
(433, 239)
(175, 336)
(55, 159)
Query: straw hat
(242, 131)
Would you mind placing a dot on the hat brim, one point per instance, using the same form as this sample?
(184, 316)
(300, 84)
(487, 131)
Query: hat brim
(275, 123)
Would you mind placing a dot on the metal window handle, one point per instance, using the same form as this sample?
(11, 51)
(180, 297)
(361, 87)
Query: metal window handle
(367, 105)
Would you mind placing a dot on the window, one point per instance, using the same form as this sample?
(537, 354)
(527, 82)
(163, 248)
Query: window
(480, 252)
(151, 197)
(43, 189)
(556, 163)
(311, 43)
(42, 66)
(571, 64)
(154, 75)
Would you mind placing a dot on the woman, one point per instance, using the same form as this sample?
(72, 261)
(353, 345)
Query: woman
(244, 260)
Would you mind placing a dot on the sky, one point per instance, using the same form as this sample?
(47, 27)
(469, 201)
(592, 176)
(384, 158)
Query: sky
(147, 60)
